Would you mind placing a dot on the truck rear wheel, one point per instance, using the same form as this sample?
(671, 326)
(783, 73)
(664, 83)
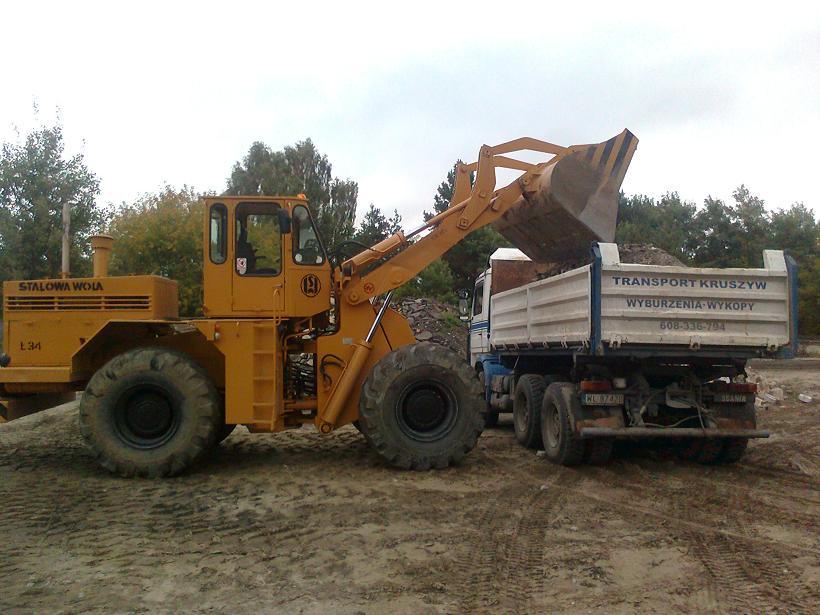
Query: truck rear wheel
(561, 443)
(701, 450)
(529, 395)
(150, 412)
(422, 407)
(733, 450)
(598, 451)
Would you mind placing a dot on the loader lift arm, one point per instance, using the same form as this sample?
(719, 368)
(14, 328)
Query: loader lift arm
(582, 195)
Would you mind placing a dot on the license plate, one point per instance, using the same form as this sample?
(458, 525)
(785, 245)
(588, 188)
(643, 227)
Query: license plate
(602, 399)
(730, 398)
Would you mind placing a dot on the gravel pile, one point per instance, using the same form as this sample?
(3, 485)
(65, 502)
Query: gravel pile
(643, 254)
(637, 253)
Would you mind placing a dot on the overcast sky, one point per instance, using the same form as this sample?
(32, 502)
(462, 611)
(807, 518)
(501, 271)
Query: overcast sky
(718, 93)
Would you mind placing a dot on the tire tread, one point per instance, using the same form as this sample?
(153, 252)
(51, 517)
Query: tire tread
(374, 399)
(202, 397)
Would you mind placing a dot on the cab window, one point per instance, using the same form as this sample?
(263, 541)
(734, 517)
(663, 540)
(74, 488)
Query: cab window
(478, 299)
(306, 247)
(258, 239)
(218, 230)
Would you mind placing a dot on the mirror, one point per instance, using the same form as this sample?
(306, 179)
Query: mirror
(463, 304)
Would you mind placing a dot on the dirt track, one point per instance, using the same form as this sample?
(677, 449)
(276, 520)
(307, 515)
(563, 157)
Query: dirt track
(299, 523)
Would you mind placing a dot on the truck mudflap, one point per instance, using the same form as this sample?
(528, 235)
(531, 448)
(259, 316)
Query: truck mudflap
(673, 432)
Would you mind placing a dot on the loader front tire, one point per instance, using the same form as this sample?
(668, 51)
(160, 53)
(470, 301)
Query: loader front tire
(150, 412)
(421, 407)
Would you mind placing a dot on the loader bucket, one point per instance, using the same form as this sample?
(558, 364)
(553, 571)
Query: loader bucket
(572, 203)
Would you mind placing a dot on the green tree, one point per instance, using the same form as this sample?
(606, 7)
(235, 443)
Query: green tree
(717, 243)
(798, 231)
(669, 222)
(375, 226)
(731, 235)
(808, 299)
(161, 234)
(300, 169)
(36, 179)
(469, 257)
(436, 281)
(752, 223)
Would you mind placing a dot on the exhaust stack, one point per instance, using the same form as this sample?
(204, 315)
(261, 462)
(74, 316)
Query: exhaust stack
(101, 251)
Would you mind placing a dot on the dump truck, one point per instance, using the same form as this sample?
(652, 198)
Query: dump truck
(291, 335)
(613, 350)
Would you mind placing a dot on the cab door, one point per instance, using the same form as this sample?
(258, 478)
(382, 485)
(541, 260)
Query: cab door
(257, 280)
(308, 268)
(480, 321)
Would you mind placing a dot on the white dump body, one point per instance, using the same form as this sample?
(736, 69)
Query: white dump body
(648, 305)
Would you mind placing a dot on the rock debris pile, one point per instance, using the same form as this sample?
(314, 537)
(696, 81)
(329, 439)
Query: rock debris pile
(771, 393)
(435, 321)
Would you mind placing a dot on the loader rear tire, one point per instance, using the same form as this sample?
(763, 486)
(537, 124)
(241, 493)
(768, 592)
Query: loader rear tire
(561, 443)
(421, 407)
(150, 412)
(529, 395)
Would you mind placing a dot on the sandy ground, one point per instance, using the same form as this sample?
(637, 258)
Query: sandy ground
(299, 523)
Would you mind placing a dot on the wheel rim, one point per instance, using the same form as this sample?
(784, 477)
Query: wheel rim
(146, 416)
(553, 427)
(426, 411)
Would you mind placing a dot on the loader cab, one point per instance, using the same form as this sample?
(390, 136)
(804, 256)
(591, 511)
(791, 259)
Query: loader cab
(263, 258)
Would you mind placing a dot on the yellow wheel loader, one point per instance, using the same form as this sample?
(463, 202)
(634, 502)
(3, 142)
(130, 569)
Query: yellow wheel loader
(289, 336)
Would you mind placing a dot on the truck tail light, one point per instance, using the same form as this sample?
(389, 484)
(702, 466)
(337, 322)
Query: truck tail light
(596, 386)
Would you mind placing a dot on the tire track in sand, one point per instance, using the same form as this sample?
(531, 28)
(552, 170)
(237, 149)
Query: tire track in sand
(506, 570)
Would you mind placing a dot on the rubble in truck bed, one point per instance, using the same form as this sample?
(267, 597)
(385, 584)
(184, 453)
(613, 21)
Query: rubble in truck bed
(636, 253)
(435, 321)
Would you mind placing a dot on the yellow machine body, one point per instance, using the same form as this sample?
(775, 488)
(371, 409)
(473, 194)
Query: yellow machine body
(273, 300)
(57, 333)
